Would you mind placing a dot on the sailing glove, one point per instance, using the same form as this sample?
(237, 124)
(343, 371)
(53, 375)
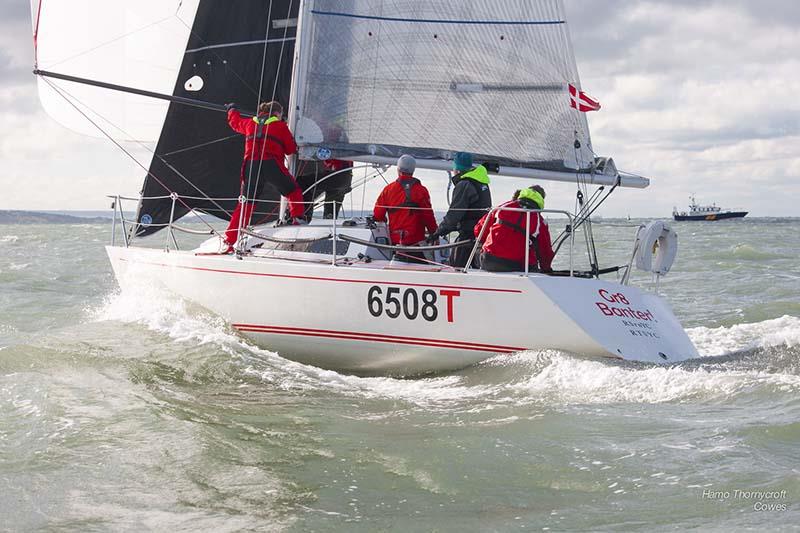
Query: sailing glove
(230, 106)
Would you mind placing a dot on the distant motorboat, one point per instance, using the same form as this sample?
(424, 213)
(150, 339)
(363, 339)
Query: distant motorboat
(705, 212)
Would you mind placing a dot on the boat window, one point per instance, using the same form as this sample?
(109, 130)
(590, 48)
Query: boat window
(316, 247)
(324, 247)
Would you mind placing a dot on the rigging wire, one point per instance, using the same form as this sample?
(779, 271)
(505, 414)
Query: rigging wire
(280, 60)
(201, 145)
(364, 196)
(126, 152)
(144, 145)
(244, 192)
(61, 90)
(101, 45)
(274, 90)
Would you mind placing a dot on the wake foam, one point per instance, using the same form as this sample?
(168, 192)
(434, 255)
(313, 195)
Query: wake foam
(783, 331)
(568, 380)
(183, 322)
(163, 313)
(546, 377)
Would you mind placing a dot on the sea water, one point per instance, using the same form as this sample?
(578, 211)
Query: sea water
(139, 411)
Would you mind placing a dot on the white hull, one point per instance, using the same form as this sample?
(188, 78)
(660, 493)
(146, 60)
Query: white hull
(319, 314)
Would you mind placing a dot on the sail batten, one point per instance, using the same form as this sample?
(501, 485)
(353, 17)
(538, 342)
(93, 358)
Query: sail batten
(240, 43)
(440, 21)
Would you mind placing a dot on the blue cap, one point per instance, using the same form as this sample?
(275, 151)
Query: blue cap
(462, 161)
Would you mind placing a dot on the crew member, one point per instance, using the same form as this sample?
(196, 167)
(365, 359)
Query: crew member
(267, 143)
(337, 186)
(316, 182)
(504, 246)
(408, 205)
(471, 200)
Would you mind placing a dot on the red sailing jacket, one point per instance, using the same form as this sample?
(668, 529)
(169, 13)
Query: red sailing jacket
(406, 225)
(264, 140)
(332, 165)
(506, 238)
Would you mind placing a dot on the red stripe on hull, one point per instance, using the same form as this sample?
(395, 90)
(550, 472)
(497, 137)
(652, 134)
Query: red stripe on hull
(314, 278)
(439, 343)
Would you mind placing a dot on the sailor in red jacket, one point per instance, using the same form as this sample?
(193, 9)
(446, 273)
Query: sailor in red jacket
(267, 143)
(408, 205)
(504, 246)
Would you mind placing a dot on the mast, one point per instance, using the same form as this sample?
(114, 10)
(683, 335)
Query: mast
(298, 82)
(296, 95)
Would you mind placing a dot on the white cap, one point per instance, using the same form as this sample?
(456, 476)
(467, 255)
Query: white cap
(406, 164)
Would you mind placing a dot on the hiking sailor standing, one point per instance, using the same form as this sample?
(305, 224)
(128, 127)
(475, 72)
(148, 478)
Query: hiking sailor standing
(471, 200)
(267, 143)
(408, 204)
(504, 241)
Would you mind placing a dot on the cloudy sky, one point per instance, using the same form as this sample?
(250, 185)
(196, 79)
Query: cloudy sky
(701, 96)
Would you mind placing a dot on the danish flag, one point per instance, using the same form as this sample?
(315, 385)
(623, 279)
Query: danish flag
(582, 101)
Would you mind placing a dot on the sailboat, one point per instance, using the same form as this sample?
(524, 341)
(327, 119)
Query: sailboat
(366, 81)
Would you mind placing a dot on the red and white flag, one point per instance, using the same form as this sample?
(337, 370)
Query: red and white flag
(582, 101)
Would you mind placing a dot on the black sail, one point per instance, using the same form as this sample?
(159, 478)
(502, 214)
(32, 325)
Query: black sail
(198, 156)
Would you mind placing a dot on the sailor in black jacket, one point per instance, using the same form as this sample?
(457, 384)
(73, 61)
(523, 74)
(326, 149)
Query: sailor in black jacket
(471, 200)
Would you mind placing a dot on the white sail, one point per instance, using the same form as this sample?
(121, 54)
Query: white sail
(485, 76)
(136, 44)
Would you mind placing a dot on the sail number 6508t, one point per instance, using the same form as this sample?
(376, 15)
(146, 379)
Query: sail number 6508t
(410, 303)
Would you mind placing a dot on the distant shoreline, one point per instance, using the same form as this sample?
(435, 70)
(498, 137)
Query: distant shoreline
(14, 216)
(52, 217)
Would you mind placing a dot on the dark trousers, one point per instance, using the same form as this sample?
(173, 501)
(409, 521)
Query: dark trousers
(460, 255)
(334, 188)
(492, 263)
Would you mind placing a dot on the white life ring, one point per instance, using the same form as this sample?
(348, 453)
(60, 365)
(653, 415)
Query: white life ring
(657, 247)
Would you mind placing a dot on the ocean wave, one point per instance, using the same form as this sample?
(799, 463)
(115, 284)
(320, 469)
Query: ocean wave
(744, 252)
(783, 331)
(9, 239)
(164, 313)
(569, 380)
(544, 377)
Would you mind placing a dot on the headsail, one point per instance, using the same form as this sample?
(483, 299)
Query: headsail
(137, 44)
(431, 78)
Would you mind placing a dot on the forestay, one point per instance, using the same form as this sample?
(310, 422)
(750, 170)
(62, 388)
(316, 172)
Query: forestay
(431, 78)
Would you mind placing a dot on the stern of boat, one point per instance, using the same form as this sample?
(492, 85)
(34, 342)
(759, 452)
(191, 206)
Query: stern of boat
(624, 321)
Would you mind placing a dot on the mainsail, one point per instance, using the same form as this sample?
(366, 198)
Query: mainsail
(431, 78)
